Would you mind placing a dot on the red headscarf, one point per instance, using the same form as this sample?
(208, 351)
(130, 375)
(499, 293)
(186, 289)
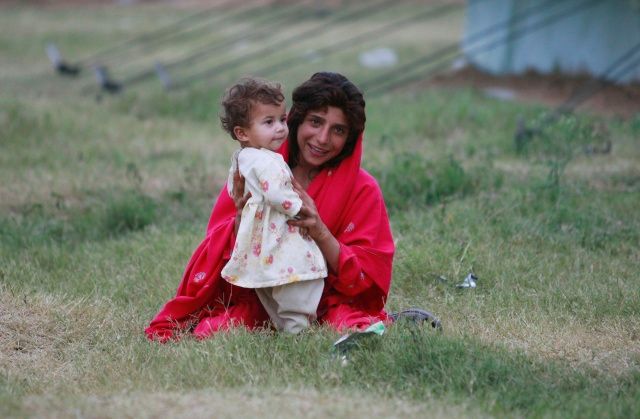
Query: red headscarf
(333, 193)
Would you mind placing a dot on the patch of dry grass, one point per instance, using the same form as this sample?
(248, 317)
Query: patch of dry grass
(155, 158)
(244, 403)
(38, 333)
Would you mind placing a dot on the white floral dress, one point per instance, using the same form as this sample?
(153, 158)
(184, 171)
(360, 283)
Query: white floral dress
(268, 252)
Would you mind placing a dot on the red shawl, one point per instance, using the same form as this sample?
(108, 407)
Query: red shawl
(350, 203)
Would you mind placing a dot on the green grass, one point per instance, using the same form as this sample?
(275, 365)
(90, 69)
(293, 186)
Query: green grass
(102, 202)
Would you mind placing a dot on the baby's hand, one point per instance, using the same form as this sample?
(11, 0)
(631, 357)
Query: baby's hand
(308, 217)
(238, 199)
(238, 190)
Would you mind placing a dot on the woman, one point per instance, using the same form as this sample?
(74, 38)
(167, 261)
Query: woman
(343, 212)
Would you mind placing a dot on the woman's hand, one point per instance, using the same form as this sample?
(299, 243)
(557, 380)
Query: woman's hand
(238, 198)
(308, 219)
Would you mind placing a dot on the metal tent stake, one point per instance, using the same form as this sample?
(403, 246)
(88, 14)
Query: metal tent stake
(106, 84)
(59, 64)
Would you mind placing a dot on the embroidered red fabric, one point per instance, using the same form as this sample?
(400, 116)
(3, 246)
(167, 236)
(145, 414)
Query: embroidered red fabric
(350, 203)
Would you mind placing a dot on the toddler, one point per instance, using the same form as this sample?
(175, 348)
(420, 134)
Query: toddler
(286, 270)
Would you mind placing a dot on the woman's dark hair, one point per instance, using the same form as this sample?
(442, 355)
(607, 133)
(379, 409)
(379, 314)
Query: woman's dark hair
(322, 90)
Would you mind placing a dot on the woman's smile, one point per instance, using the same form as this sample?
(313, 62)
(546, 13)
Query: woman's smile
(317, 151)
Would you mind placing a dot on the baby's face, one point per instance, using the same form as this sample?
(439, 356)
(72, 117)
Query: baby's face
(268, 127)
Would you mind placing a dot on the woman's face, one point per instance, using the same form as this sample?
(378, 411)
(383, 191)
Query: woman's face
(322, 136)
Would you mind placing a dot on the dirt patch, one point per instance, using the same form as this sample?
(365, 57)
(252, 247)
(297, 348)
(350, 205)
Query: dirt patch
(552, 90)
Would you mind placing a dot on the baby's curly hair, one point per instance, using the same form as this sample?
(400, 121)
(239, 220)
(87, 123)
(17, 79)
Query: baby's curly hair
(238, 101)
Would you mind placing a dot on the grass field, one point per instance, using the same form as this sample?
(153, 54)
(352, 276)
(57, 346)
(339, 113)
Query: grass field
(103, 198)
